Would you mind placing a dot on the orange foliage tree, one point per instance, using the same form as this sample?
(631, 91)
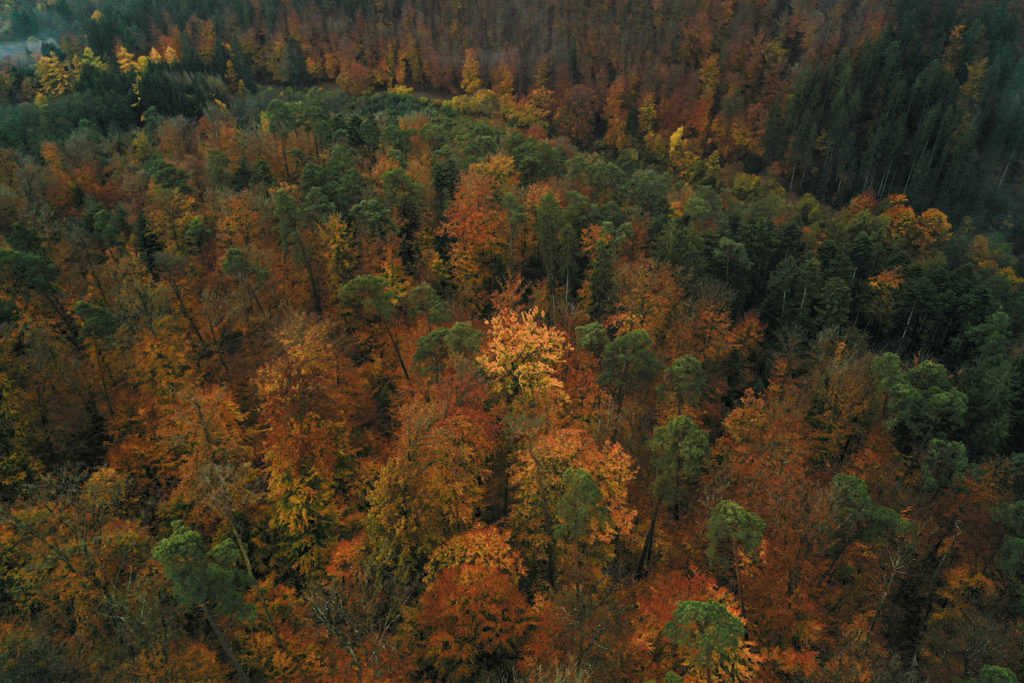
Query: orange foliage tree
(479, 226)
(305, 444)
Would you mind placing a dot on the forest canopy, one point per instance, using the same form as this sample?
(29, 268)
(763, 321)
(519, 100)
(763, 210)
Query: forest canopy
(489, 341)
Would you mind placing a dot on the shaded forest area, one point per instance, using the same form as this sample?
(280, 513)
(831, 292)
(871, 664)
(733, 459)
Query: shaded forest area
(686, 358)
(829, 98)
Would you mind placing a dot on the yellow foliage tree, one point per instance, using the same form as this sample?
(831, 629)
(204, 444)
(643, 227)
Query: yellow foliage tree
(523, 356)
(305, 442)
(430, 487)
(54, 77)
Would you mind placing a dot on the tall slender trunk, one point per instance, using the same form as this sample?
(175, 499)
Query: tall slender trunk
(105, 380)
(1013, 156)
(256, 299)
(259, 589)
(398, 351)
(645, 554)
(225, 646)
(217, 345)
(895, 565)
(67, 323)
(228, 515)
(314, 288)
(188, 314)
(549, 527)
(906, 327)
(885, 178)
(284, 158)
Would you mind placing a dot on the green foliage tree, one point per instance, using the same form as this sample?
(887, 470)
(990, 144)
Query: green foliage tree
(433, 348)
(207, 579)
(993, 674)
(858, 518)
(295, 71)
(921, 403)
(30, 273)
(552, 226)
(292, 226)
(593, 337)
(732, 257)
(250, 275)
(200, 577)
(790, 290)
(579, 511)
(628, 365)
(733, 532)
(833, 306)
(730, 529)
(681, 451)
(1010, 562)
(945, 463)
(98, 322)
(463, 339)
(990, 383)
(282, 119)
(686, 379)
(373, 297)
(600, 275)
(98, 326)
(710, 638)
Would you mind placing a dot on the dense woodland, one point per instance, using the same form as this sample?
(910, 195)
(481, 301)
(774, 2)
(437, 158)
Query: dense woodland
(511, 341)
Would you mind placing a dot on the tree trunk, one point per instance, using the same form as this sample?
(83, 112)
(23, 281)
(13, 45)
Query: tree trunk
(645, 554)
(314, 288)
(225, 646)
(398, 352)
(259, 588)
